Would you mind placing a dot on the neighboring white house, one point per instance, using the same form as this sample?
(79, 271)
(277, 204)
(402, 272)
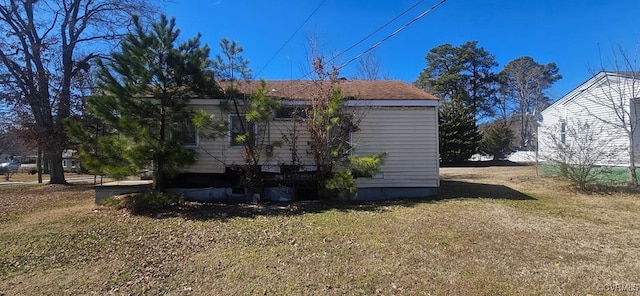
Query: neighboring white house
(395, 117)
(607, 102)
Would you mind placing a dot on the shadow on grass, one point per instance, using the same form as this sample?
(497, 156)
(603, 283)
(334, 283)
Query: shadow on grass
(481, 164)
(450, 189)
(225, 211)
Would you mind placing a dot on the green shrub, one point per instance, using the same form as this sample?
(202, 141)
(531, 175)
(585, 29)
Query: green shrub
(366, 166)
(341, 186)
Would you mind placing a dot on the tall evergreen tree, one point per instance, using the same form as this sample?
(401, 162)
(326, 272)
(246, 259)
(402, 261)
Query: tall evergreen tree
(459, 136)
(463, 78)
(497, 140)
(145, 92)
(463, 73)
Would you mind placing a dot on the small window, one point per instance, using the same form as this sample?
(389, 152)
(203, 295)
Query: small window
(238, 127)
(290, 112)
(73, 163)
(190, 134)
(64, 163)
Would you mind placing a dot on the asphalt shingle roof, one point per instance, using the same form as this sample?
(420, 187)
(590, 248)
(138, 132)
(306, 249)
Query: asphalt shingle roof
(355, 89)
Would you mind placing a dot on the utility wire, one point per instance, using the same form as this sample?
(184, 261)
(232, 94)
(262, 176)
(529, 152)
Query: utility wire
(379, 42)
(394, 33)
(383, 39)
(290, 37)
(377, 30)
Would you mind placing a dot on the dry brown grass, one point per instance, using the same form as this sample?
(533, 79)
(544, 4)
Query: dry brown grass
(494, 231)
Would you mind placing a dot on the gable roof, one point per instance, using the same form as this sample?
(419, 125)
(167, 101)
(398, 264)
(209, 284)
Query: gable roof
(595, 81)
(354, 89)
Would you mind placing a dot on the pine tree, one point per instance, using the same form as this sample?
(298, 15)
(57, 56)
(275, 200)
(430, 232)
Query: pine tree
(145, 92)
(464, 73)
(459, 136)
(497, 140)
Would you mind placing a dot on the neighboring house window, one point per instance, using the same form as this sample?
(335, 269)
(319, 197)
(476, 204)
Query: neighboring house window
(190, 134)
(236, 126)
(563, 131)
(290, 112)
(73, 163)
(64, 163)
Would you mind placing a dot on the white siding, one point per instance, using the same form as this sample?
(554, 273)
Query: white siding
(211, 154)
(593, 103)
(215, 154)
(409, 136)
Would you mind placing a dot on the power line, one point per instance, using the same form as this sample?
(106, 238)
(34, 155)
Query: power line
(383, 39)
(290, 37)
(393, 34)
(378, 30)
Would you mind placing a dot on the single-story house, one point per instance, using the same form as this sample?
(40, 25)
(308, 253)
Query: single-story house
(608, 103)
(394, 117)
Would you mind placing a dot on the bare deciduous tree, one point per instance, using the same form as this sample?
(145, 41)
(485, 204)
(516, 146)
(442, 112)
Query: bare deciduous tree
(619, 96)
(524, 81)
(369, 68)
(44, 46)
(579, 151)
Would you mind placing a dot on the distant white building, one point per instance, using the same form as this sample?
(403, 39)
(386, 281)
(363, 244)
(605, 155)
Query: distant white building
(70, 162)
(602, 102)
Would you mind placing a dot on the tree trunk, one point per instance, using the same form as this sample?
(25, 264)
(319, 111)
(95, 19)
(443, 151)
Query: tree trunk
(39, 165)
(160, 178)
(632, 167)
(56, 172)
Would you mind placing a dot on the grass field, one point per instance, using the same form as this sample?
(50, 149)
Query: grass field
(604, 175)
(493, 231)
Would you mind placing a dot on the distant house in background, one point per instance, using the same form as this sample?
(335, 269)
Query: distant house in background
(395, 117)
(70, 162)
(601, 102)
(17, 151)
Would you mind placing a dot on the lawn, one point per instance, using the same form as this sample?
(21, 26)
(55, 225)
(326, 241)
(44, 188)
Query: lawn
(493, 231)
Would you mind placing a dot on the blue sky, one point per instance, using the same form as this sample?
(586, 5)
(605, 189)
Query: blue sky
(576, 35)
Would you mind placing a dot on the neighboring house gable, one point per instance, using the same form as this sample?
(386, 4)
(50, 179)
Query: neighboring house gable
(395, 117)
(601, 102)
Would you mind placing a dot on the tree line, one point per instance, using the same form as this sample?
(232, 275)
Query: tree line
(472, 91)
